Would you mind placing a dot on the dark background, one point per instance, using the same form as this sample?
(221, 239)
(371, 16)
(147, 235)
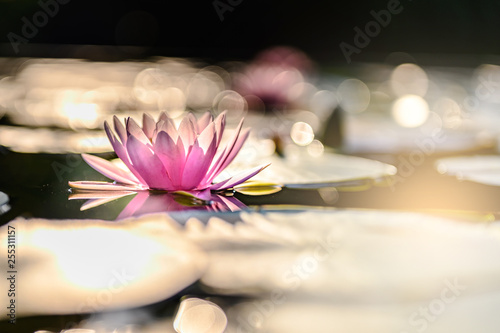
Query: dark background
(99, 30)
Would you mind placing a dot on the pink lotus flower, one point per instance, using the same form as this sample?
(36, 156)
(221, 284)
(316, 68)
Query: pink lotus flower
(160, 156)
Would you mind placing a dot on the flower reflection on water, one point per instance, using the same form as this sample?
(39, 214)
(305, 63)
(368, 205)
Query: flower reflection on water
(146, 202)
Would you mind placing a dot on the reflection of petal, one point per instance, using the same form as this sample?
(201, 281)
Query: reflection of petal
(134, 205)
(228, 203)
(147, 202)
(95, 202)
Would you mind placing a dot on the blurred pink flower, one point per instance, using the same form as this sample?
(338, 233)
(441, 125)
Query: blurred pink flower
(285, 56)
(160, 156)
(270, 83)
(270, 78)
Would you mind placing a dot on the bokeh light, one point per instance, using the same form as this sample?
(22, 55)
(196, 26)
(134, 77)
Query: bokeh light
(409, 79)
(302, 133)
(410, 111)
(197, 315)
(354, 95)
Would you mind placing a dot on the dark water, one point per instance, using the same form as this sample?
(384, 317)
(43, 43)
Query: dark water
(37, 187)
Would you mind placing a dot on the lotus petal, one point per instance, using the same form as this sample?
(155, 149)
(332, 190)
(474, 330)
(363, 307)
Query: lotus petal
(109, 170)
(105, 186)
(238, 179)
(148, 164)
(148, 125)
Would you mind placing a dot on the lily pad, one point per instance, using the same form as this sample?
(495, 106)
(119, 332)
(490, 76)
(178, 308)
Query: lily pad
(375, 133)
(305, 171)
(256, 188)
(347, 253)
(83, 266)
(483, 169)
